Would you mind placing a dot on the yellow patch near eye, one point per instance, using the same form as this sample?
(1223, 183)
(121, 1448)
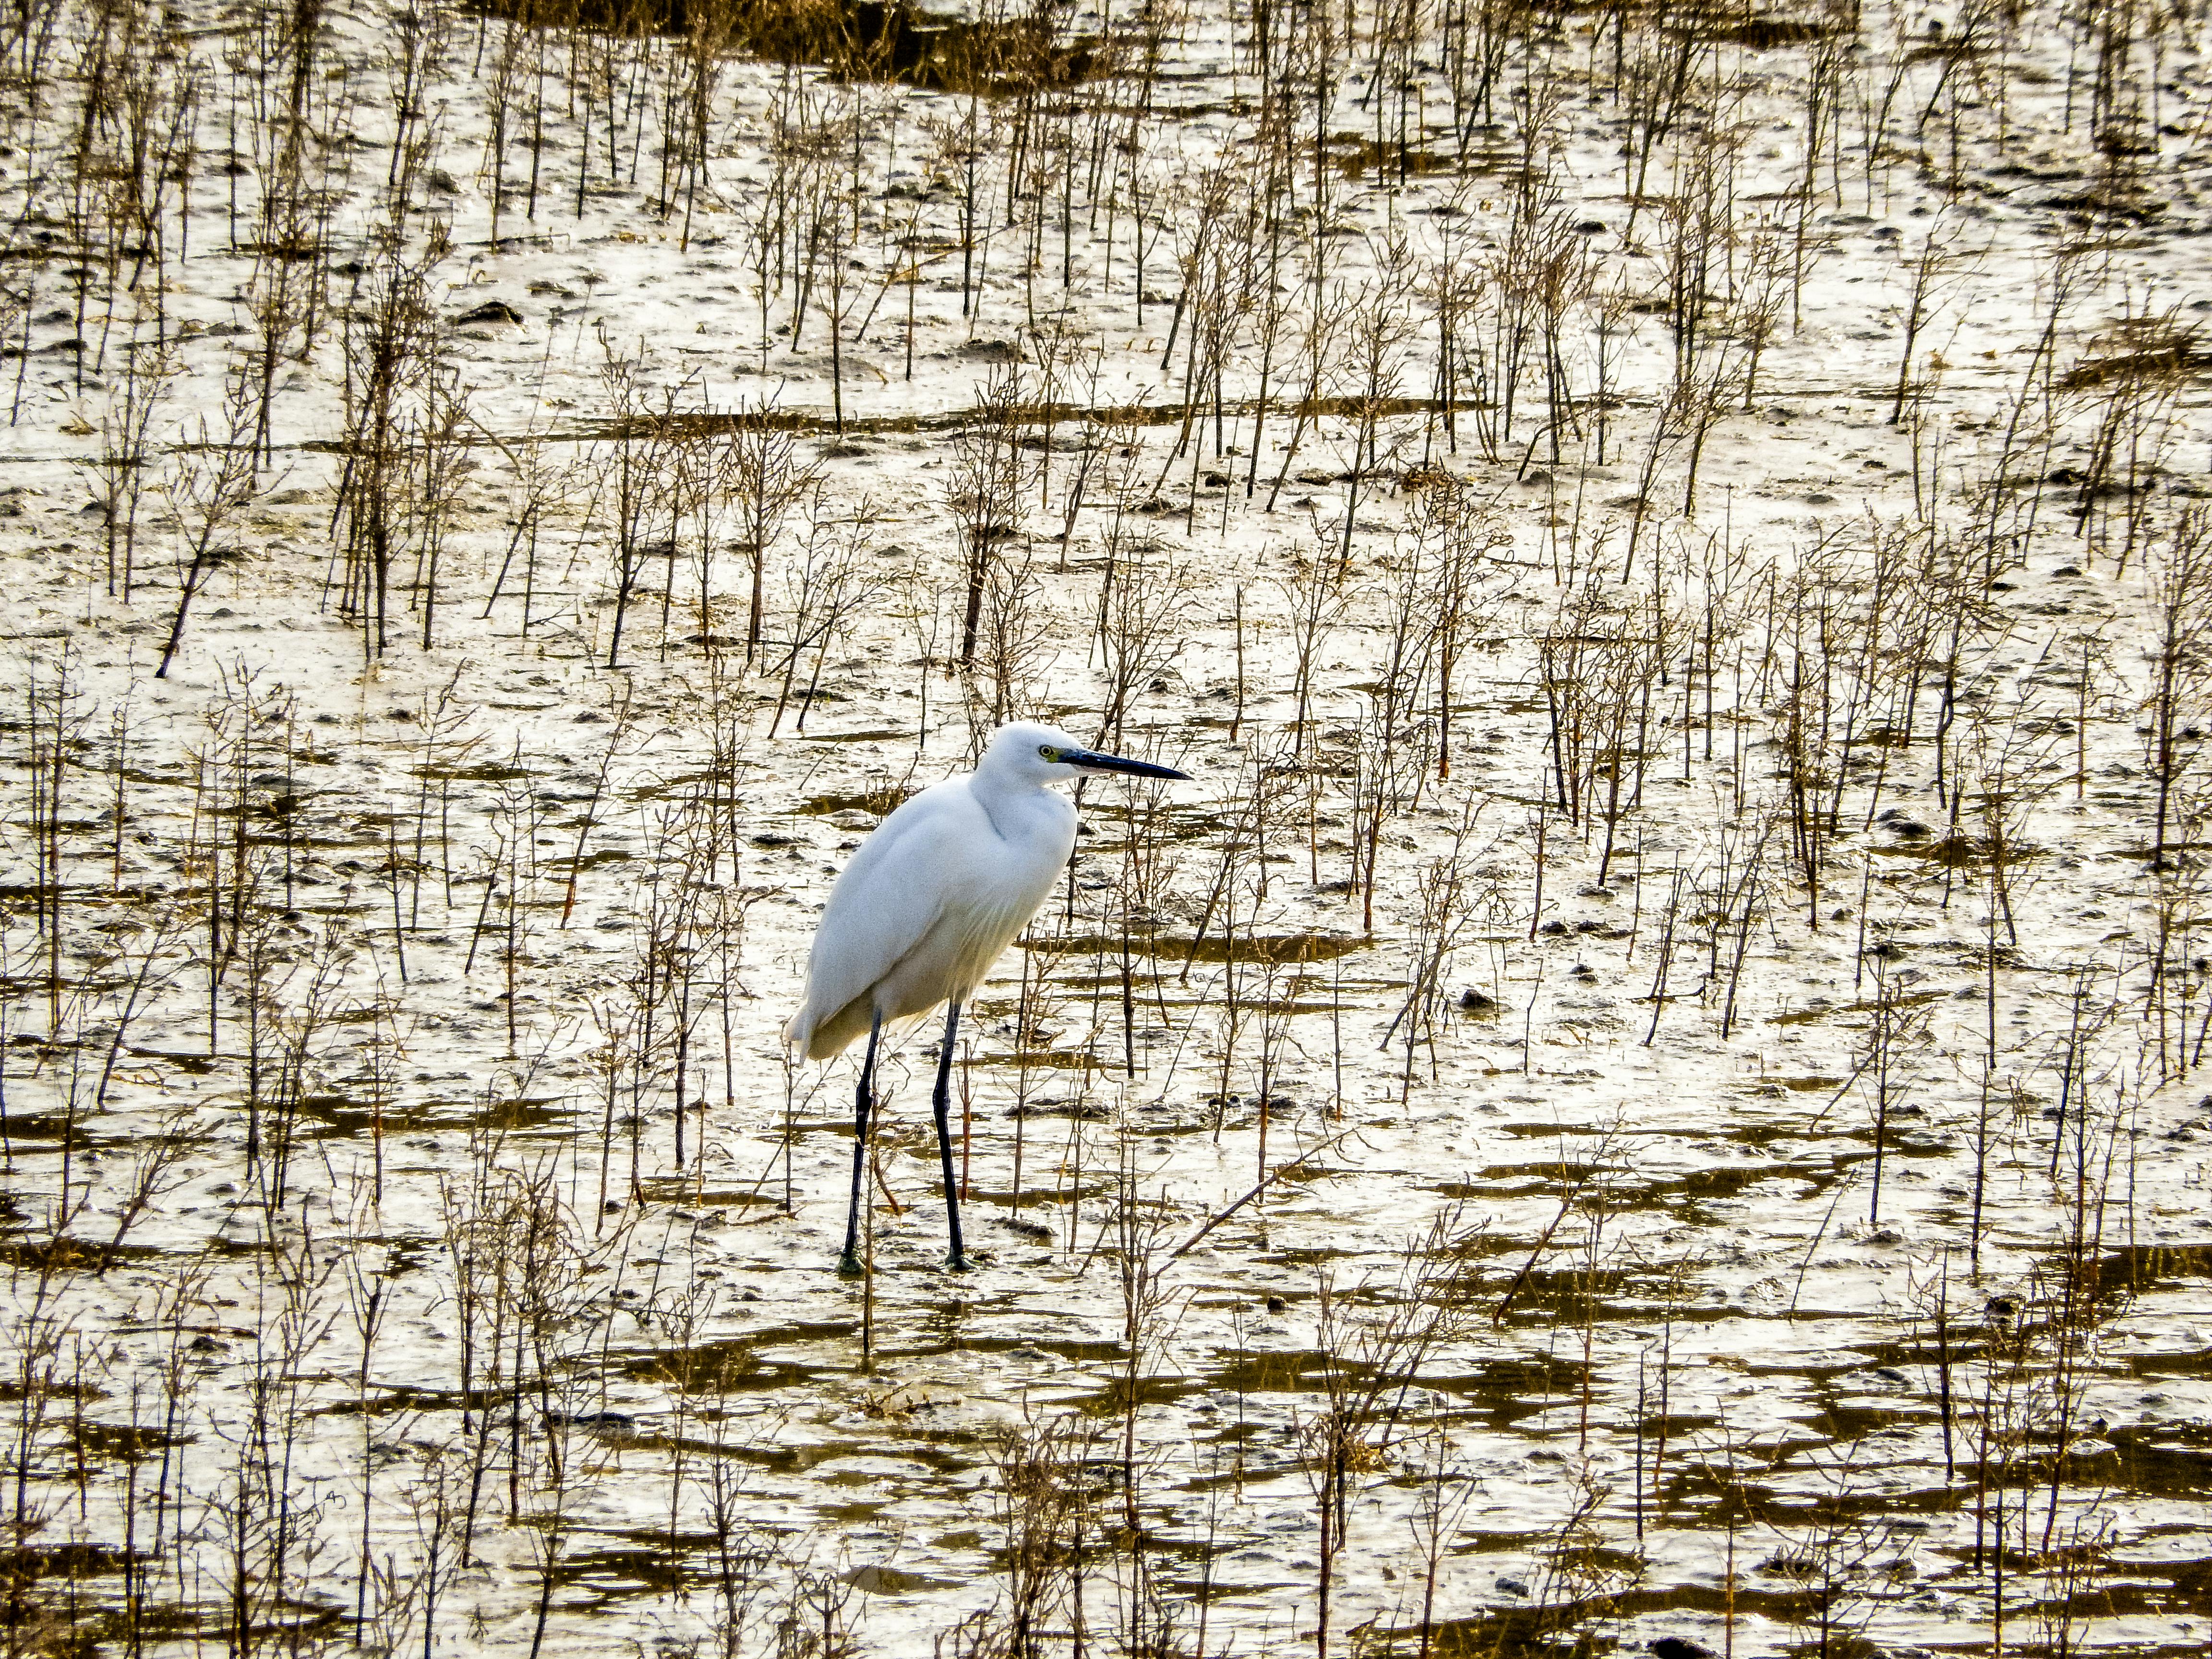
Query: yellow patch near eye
(1048, 751)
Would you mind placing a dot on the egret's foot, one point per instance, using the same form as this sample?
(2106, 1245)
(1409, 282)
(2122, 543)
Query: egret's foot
(849, 1267)
(957, 1263)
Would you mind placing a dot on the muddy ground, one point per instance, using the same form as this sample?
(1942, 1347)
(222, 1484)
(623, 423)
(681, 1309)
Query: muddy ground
(1646, 1092)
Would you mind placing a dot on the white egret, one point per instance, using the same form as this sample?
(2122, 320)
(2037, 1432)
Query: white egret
(928, 904)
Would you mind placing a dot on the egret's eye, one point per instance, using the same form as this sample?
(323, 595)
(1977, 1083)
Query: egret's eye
(1048, 751)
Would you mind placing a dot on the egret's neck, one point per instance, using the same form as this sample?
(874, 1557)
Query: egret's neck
(1010, 798)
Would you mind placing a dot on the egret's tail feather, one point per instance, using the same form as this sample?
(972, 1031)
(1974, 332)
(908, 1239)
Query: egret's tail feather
(819, 1037)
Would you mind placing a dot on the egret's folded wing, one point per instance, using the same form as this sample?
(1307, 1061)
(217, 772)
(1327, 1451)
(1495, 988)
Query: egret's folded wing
(881, 907)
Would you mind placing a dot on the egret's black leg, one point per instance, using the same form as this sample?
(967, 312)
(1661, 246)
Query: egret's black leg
(956, 1259)
(864, 1102)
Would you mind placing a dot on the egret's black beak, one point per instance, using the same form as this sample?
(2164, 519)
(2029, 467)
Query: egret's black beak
(1091, 762)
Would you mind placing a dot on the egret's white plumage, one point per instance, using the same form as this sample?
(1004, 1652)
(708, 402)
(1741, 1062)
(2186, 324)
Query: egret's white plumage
(934, 896)
(929, 903)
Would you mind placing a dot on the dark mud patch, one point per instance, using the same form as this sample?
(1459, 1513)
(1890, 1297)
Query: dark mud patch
(643, 1565)
(1266, 949)
(348, 1116)
(1357, 154)
(736, 1366)
(1050, 1060)
(44, 1255)
(2144, 1266)
(2176, 358)
(679, 1191)
(1756, 31)
(714, 422)
(1843, 1010)
(873, 735)
(881, 802)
